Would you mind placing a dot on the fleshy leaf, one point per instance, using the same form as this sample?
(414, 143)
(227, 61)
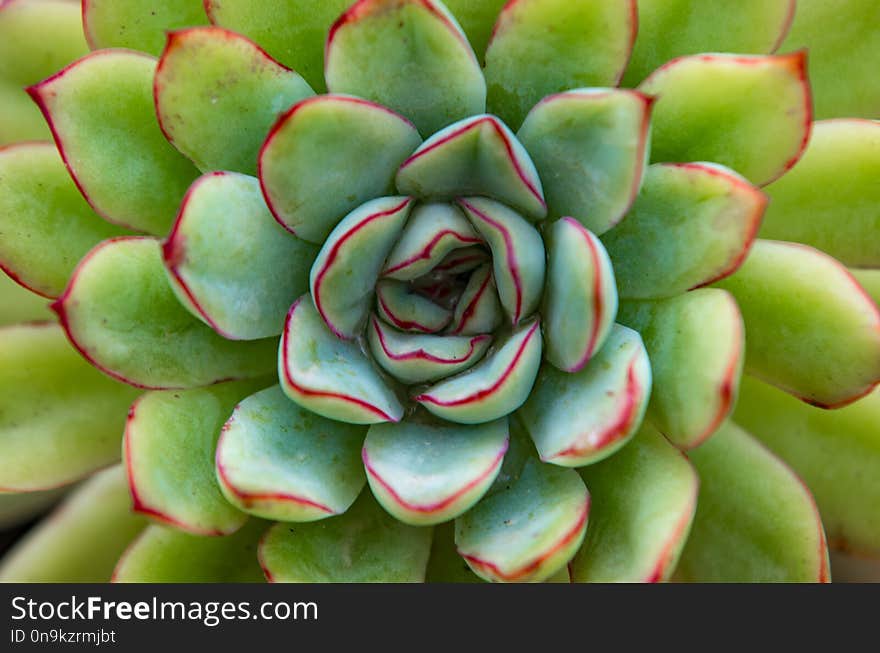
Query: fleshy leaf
(477, 18)
(407, 310)
(445, 565)
(644, 498)
(756, 521)
(164, 555)
(837, 453)
(428, 471)
(540, 47)
(409, 55)
(121, 314)
(344, 274)
(434, 231)
(672, 28)
(306, 162)
(812, 330)
(590, 147)
(495, 387)
(18, 508)
(750, 113)
(47, 226)
(217, 94)
(365, 545)
(230, 263)
(870, 281)
(419, 358)
(830, 198)
(292, 32)
(475, 156)
(137, 24)
(329, 376)
(578, 419)
(18, 304)
(101, 112)
(517, 255)
(60, 419)
(529, 531)
(169, 448)
(696, 344)
(478, 309)
(580, 300)
(82, 539)
(691, 224)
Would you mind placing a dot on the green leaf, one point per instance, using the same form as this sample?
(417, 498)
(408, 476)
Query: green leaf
(750, 113)
(19, 508)
(644, 498)
(478, 309)
(17, 304)
(137, 24)
(830, 199)
(600, 135)
(528, 532)
(47, 226)
(756, 521)
(328, 155)
(673, 28)
(279, 461)
(837, 453)
(475, 156)
(292, 32)
(409, 55)
(580, 300)
(812, 330)
(696, 344)
(615, 386)
(230, 263)
(101, 112)
(164, 555)
(365, 545)
(409, 311)
(691, 224)
(169, 448)
(330, 376)
(82, 539)
(217, 94)
(121, 314)
(60, 419)
(477, 19)
(870, 281)
(540, 47)
(445, 565)
(425, 471)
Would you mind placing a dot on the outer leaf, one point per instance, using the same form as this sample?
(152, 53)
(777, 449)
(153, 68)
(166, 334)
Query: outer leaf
(837, 453)
(750, 113)
(870, 281)
(305, 163)
(60, 419)
(169, 446)
(540, 47)
(47, 226)
(17, 304)
(696, 344)
(644, 499)
(329, 376)
(120, 313)
(794, 300)
(528, 532)
(365, 545)
(101, 112)
(830, 199)
(409, 55)
(445, 565)
(230, 263)
(756, 521)
(590, 147)
(82, 539)
(18, 508)
(292, 32)
(137, 24)
(672, 28)
(691, 224)
(580, 300)
(163, 555)
(578, 419)
(477, 18)
(280, 461)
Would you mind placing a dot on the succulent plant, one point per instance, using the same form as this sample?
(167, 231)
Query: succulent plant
(402, 291)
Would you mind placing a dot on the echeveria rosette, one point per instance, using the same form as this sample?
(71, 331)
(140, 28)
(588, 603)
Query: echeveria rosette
(499, 290)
